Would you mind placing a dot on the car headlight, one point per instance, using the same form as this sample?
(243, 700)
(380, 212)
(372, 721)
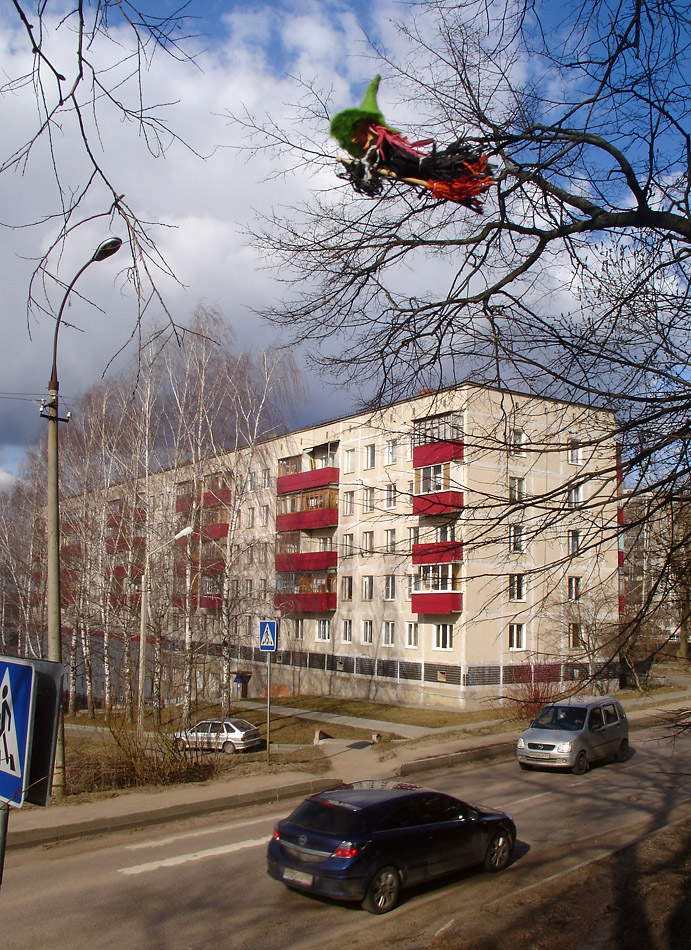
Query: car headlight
(520, 744)
(563, 748)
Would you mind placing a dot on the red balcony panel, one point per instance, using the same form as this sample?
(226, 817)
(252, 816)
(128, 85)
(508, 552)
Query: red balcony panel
(213, 565)
(437, 452)
(140, 514)
(138, 542)
(120, 571)
(439, 552)
(307, 561)
(442, 602)
(622, 558)
(305, 603)
(70, 550)
(184, 503)
(307, 520)
(179, 600)
(622, 604)
(621, 516)
(438, 503)
(210, 601)
(214, 532)
(219, 496)
(301, 481)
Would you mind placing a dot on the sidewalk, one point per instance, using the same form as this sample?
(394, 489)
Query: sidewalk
(351, 760)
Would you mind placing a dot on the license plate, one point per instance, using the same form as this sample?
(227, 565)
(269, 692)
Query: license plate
(540, 755)
(297, 877)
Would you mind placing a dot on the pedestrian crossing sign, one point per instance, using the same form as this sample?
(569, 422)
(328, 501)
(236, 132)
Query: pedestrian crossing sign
(16, 722)
(267, 635)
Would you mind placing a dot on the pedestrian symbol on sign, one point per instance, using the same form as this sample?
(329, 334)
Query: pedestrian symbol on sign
(9, 747)
(267, 635)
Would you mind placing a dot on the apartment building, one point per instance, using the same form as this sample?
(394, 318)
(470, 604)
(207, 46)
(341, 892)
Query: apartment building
(443, 548)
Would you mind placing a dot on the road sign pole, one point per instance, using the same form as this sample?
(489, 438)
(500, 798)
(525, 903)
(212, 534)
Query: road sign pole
(4, 821)
(268, 708)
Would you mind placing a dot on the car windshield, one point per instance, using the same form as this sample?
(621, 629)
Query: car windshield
(567, 718)
(327, 818)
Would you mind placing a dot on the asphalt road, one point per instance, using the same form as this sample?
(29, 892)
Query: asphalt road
(202, 883)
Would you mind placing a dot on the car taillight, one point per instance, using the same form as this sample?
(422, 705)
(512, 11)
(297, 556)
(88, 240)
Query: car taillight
(276, 836)
(346, 849)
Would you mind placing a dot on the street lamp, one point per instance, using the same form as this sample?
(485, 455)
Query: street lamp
(143, 608)
(49, 411)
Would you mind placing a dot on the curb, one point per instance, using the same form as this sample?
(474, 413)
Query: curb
(30, 837)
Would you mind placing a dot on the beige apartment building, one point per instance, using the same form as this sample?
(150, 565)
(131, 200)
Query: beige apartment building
(447, 547)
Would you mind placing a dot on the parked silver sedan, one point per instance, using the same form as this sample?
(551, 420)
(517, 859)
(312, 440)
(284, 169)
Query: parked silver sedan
(574, 732)
(215, 735)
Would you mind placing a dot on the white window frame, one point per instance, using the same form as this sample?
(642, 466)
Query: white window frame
(574, 588)
(367, 587)
(368, 631)
(390, 587)
(368, 542)
(575, 634)
(412, 634)
(516, 538)
(517, 442)
(388, 633)
(443, 636)
(251, 481)
(323, 630)
(347, 631)
(298, 628)
(575, 497)
(266, 478)
(368, 499)
(391, 496)
(265, 515)
(432, 478)
(574, 454)
(517, 587)
(369, 455)
(347, 587)
(575, 542)
(390, 542)
(517, 488)
(391, 451)
(348, 461)
(348, 503)
(348, 545)
(516, 636)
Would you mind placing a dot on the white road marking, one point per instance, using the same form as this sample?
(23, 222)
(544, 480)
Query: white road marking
(160, 842)
(528, 798)
(445, 927)
(195, 856)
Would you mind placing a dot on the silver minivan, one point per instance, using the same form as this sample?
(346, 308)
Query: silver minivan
(572, 733)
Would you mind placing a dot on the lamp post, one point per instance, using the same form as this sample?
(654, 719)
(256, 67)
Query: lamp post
(49, 411)
(143, 608)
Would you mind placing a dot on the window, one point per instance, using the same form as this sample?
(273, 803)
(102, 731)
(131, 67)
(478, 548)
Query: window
(444, 428)
(445, 532)
(348, 544)
(367, 631)
(390, 587)
(575, 636)
(574, 588)
(349, 461)
(251, 481)
(391, 451)
(516, 488)
(266, 478)
(433, 578)
(250, 517)
(573, 452)
(388, 633)
(298, 629)
(516, 636)
(412, 635)
(413, 537)
(368, 499)
(390, 497)
(349, 503)
(370, 455)
(249, 584)
(323, 630)
(390, 540)
(347, 631)
(346, 587)
(516, 586)
(574, 496)
(262, 585)
(516, 539)
(443, 636)
(368, 542)
(575, 543)
(265, 514)
(517, 442)
(432, 478)
(367, 587)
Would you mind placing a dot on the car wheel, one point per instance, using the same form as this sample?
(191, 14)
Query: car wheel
(179, 745)
(581, 765)
(383, 892)
(228, 748)
(498, 852)
(623, 751)
(525, 766)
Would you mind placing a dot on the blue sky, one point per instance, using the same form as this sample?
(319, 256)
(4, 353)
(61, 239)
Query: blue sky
(249, 55)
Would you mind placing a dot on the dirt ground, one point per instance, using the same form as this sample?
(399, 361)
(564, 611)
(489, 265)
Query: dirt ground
(636, 899)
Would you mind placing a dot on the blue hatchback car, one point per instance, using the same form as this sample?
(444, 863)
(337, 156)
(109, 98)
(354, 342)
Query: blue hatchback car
(367, 841)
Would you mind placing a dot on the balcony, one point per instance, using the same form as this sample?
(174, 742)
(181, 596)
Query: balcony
(306, 561)
(307, 520)
(435, 453)
(212, 532)
(439, 552)
(437, 503)
(303, 481)
(210, 601)
(438, 602)
(216, 497)
(304, 603)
